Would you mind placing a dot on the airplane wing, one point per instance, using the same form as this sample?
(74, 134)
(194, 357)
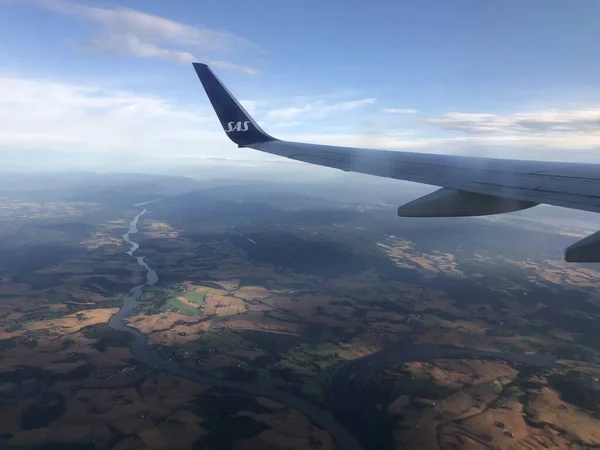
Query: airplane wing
(470, 186)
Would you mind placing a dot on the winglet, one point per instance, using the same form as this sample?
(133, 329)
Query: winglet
(236, 121)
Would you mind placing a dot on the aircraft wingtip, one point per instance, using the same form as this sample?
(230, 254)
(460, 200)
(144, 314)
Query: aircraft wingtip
(236, 121)
(199, 66)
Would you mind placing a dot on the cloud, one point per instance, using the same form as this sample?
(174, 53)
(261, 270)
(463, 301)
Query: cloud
(229, 65)
(58, 118)
(399, 111)
(291, 124)
(552, 121)
(47, 115)
(130, 44)
(129, 31)
(318, 108)
(252, 106)
(564, 147)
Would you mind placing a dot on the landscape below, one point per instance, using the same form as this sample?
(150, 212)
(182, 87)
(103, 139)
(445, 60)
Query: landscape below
(283, 285)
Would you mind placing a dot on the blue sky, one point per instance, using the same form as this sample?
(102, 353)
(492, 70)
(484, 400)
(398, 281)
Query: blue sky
(113, 80)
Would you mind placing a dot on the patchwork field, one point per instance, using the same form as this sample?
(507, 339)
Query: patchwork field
(284, 299)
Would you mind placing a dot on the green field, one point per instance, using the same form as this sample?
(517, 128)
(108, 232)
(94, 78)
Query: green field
(196, 297)
(173, 304)
(168, 300)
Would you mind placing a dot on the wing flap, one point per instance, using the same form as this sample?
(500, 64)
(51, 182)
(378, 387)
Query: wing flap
(585, 250)
(453, 203)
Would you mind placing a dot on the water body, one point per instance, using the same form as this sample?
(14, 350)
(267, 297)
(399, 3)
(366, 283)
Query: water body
(130, 301)
(344, 421)
(148, 202)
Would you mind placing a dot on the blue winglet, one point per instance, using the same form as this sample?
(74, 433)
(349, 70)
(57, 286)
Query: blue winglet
(236, 121)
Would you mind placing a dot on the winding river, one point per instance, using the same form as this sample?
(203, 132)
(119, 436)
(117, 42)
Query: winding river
(343, 422)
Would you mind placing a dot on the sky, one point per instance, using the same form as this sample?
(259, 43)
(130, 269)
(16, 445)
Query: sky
(107, 85)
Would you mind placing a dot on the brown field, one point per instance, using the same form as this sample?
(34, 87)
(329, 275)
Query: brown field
(436, 263)
(459, 373)
(160, 230)
(253, 292)
(225, 306)
(475, 417)
(18, 210)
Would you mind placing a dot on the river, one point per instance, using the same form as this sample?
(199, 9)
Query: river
(147, 355)
(343, 422)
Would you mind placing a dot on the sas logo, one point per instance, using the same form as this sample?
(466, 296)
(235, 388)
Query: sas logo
(239, 126)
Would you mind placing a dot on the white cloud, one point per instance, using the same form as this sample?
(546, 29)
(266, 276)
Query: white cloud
(46, 115)
(252, 105)
(399, 111)
(57, 117)
(291, 124)
(133, 32)
(548, 147)
(228, 65)
(318, 108)
(542, 122)
(129, 44)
